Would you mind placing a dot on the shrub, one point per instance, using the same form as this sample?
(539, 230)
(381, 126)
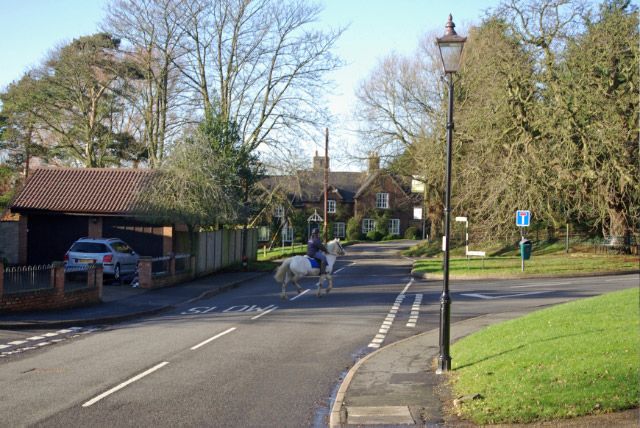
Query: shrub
(353, 229)
(374, 235)
(411, 233)
(391, 237)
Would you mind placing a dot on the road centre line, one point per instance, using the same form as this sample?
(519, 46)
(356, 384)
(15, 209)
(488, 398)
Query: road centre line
(344, 267)
(300, 295)
(217, 336)
(264, 313)
(123, 384)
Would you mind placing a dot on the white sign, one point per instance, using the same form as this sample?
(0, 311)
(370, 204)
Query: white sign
(417, 186)
(477, 253)
(461, 219)
(417, 213)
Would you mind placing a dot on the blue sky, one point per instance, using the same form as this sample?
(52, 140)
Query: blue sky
(31, 28)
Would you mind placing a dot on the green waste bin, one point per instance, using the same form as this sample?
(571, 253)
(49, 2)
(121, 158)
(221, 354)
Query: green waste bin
(525, 249)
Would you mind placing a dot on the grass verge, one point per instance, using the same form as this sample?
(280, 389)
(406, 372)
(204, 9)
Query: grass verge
(570, 360)
(557, 264)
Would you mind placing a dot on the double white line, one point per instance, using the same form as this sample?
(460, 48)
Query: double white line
(388, 321)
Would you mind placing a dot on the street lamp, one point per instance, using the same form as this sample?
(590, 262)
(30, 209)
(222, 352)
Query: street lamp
(450, 46)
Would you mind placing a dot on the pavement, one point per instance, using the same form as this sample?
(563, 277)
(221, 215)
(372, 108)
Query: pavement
(394, 386)
(123, 302)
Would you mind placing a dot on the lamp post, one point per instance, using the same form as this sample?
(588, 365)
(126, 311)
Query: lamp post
(450, 46)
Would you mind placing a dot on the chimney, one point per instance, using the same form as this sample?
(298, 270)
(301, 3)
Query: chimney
(319, 162)
(374, 162)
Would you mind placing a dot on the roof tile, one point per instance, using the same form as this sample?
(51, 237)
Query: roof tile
(82, 190)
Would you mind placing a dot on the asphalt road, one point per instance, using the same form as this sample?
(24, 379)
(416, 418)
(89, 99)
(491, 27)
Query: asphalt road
(247, 358)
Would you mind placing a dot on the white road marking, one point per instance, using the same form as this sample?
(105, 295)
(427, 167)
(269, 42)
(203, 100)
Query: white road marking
(415, 311)
(17, 342)
(4, 346)
(301, 294)
(193, 348)
(264, 313)
(123, 384)
(35, 337)
(344, 267)
(388, 321)
(504, 296)
(541, 285)
(50, 334)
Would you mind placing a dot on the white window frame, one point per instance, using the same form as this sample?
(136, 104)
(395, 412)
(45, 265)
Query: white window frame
(368, 224)
(331, 206)
(339, 230)
(279, 213)
(394, 226)
(287, 234)
(264, 233)
(382, 200)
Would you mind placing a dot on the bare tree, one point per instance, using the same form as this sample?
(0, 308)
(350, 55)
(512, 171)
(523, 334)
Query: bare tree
(262, 63)
(153, 37)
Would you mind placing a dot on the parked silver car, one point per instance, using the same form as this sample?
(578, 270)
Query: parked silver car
(118, 259)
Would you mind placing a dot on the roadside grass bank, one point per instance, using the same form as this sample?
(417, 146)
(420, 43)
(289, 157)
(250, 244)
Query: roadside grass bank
(510, 267)
(574, 359)
(277, 253)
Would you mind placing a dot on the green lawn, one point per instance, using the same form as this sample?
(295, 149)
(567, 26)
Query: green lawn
(557, 264)
(574, 359)
(281, 252)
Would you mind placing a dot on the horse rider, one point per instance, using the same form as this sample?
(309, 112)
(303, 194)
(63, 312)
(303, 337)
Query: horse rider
(316, 250)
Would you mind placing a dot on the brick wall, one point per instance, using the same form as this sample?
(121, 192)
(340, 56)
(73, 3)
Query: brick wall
(55, 298)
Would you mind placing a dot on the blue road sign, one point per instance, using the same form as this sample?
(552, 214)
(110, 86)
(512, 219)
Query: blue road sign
(523, 218)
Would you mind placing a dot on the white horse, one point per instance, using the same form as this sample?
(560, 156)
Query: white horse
(296, 267)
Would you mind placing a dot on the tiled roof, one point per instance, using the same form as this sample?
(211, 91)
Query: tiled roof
(308, 186)
(82, 190)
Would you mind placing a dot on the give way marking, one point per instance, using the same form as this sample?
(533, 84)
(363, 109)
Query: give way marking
(502, 296)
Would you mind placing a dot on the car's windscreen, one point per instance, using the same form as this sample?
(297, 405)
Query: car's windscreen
(121, 247)
(89, 247)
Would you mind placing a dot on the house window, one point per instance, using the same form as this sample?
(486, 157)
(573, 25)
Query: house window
(368, 224)
(331, 206)
(382, 200)
(394, 226)
(339, 230)
(287, 234)
(279, 211)
(264, 233)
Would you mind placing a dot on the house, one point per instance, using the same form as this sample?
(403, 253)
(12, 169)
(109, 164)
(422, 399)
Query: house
(59, 205)
(297, 202)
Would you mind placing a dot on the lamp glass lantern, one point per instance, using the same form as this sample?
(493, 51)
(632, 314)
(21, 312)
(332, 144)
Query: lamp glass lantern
(450, 46)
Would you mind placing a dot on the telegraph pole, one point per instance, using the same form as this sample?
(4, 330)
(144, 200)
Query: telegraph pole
(326, 184)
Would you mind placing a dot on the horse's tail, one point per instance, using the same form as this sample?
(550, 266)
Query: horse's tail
(282, 270)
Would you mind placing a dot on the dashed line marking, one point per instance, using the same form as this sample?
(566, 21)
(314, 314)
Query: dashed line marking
(265, 313)
(35, 338)
(388, 321)
(300, 295)
(415, 311)
(17, 342)
(217, 336)
(123, 384)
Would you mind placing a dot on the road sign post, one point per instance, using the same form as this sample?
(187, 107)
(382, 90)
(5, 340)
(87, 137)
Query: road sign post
(523, 219)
